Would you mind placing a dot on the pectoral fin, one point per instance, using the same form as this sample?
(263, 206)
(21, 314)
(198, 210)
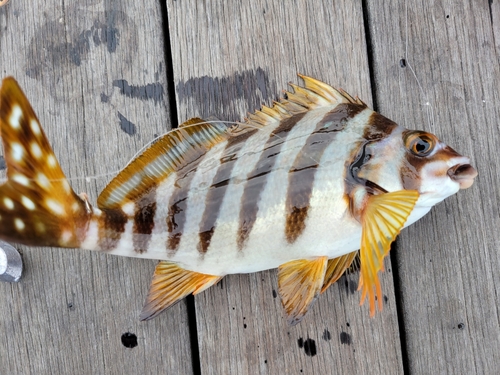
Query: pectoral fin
(172, 283)
(382, 219)
(299, 283)
(336, 268)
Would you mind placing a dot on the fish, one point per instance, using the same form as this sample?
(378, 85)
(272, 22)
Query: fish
(312, 185)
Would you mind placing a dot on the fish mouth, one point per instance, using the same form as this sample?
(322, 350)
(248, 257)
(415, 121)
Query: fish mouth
(464, 174)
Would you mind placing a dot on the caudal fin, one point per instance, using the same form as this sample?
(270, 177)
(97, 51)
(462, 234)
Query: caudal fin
(37, 205)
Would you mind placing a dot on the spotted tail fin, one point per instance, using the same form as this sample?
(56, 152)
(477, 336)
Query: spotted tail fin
(37, 205)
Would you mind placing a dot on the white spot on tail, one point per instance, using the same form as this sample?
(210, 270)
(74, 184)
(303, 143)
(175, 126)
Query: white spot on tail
(8, 203)
(17, 151)
(129, 208)
(36, 150)
(15, 117)
(35, 127)
(66, 186)
(28, 203)
(51, 161)
(55, 207)
(66, 236)
(43, 181)
(19, 224)
(20, 179)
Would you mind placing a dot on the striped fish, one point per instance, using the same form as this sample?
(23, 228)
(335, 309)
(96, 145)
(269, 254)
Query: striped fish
(300, 186)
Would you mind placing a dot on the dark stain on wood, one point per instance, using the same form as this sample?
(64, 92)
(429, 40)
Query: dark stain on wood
(151, 91)
(309, 346)
(126, 125)
(345, 338)
(327, 336)
(213, 90)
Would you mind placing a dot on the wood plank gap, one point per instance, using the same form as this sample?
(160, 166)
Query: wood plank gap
(490, 3)
(398, 292)
(169, 68)
(193, 335)
(393, 253)
(369, 52)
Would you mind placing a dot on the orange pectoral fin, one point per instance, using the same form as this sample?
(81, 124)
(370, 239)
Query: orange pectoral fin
(299, 283)
(172, 283)
(382, 220)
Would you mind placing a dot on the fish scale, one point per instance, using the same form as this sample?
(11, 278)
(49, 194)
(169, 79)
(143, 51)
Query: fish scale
(299, 186)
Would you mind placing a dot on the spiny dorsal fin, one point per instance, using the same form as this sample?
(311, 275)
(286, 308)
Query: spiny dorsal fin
(299, 283)
(382, 220)
(336, 268)
(172, 283)
(314, 94)
(192, 121)
(37, 204)
(168, 154)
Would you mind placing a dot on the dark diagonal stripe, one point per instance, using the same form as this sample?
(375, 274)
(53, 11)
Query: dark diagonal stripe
(111, 227)
(215, 196)
(378, 127)
(303, 170)
(176, 218)
(144, 220)
(257, 179)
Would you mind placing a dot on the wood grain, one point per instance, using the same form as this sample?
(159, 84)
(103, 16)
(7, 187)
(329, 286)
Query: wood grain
(79, 62)
(448, 262)
(228, 58)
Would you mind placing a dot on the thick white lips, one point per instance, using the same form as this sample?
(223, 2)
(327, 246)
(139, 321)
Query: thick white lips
(464, 174)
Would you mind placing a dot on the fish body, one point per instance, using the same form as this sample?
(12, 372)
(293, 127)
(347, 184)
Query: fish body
(299, 186)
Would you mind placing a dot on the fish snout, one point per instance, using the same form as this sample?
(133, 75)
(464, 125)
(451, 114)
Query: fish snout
(464, 174)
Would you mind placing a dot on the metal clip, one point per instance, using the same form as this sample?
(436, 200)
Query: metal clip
(11, 263)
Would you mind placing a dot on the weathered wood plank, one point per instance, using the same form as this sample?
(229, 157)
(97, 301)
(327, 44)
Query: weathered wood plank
(449, 261)
(228, 58)
(73, 59)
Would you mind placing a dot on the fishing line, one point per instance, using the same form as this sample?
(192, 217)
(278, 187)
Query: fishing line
(89, 179)
(427, 103)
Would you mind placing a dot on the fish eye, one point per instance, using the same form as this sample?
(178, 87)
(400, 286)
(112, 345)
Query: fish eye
(420, 143)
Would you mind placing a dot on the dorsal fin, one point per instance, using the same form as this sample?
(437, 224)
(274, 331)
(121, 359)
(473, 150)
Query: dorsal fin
(314, 94)
(168, 154)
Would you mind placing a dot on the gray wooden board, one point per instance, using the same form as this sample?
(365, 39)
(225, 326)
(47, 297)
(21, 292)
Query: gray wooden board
(228, 59)
(78, 62)
(448, 262)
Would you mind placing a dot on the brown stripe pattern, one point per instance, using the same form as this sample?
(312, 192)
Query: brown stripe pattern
(111, 227)
(144, 220)
(218, 188)
(256, 180)
(176, 217)
(302, 173)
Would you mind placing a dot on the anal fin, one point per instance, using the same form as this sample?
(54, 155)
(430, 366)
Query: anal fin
(172, 283)
(299, 283)
(336, 268)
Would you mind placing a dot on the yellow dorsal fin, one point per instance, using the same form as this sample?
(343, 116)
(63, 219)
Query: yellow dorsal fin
(314, 94)
(336, 268)
(172, 283)
(37, 204)
(299, 283)
(382, 220)
(168, 154)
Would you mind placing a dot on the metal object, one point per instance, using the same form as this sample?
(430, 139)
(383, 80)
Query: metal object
(11, 263)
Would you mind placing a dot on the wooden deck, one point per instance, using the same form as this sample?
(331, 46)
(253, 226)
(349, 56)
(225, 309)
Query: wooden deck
(106, 76)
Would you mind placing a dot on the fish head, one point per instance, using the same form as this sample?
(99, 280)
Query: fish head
(416, 160)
